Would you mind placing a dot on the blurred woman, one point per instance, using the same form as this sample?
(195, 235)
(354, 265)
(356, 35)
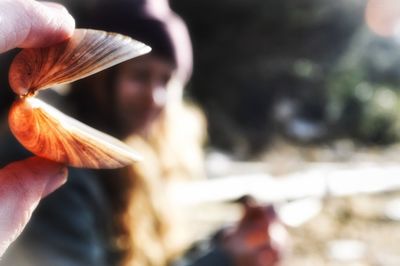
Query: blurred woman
(140, 101)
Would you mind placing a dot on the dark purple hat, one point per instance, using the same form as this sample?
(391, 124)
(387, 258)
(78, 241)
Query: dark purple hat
(151, 22)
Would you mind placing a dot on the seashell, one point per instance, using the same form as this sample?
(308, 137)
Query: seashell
(87, 52)
(50, 134)
(47, 132)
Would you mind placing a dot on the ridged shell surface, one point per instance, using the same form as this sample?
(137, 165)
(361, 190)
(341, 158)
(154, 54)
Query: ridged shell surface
(87, 52)
(48, 133)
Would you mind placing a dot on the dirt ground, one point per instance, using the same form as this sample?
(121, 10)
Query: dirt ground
(355, 230)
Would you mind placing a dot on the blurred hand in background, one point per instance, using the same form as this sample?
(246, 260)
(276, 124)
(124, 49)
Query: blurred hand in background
(253, 241)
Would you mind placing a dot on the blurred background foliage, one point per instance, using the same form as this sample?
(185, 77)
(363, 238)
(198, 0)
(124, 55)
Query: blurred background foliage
(307, 70)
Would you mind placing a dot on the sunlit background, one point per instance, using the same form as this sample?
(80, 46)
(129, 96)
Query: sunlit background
(302, 101)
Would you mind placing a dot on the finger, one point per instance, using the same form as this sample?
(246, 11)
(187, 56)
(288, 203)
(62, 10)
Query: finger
(28, 23)
(22, 185)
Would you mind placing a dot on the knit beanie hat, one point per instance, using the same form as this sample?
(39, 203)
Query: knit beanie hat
(151, 22)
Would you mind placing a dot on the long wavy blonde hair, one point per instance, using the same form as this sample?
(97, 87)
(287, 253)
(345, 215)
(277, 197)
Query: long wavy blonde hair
(145, 225)
(172, 149)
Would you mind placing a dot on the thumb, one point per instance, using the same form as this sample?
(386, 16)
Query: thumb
(22, 185)
(28, 23)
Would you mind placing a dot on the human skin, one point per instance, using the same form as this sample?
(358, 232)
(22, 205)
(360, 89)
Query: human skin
(250, 242)
(141, 91)
(28, 24)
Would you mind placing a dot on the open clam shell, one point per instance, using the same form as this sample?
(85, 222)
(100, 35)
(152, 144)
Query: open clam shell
(50, 134)
(87, 52)
(47, 132)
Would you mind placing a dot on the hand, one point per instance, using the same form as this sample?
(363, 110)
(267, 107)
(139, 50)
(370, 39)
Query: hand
(236, 244)
(252, 241)
(24, 24)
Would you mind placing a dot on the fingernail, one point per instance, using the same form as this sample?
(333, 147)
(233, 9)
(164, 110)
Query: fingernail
(55, 181)
(64, 17)
(54, 5)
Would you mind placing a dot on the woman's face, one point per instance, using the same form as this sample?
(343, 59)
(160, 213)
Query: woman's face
(141, 86)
